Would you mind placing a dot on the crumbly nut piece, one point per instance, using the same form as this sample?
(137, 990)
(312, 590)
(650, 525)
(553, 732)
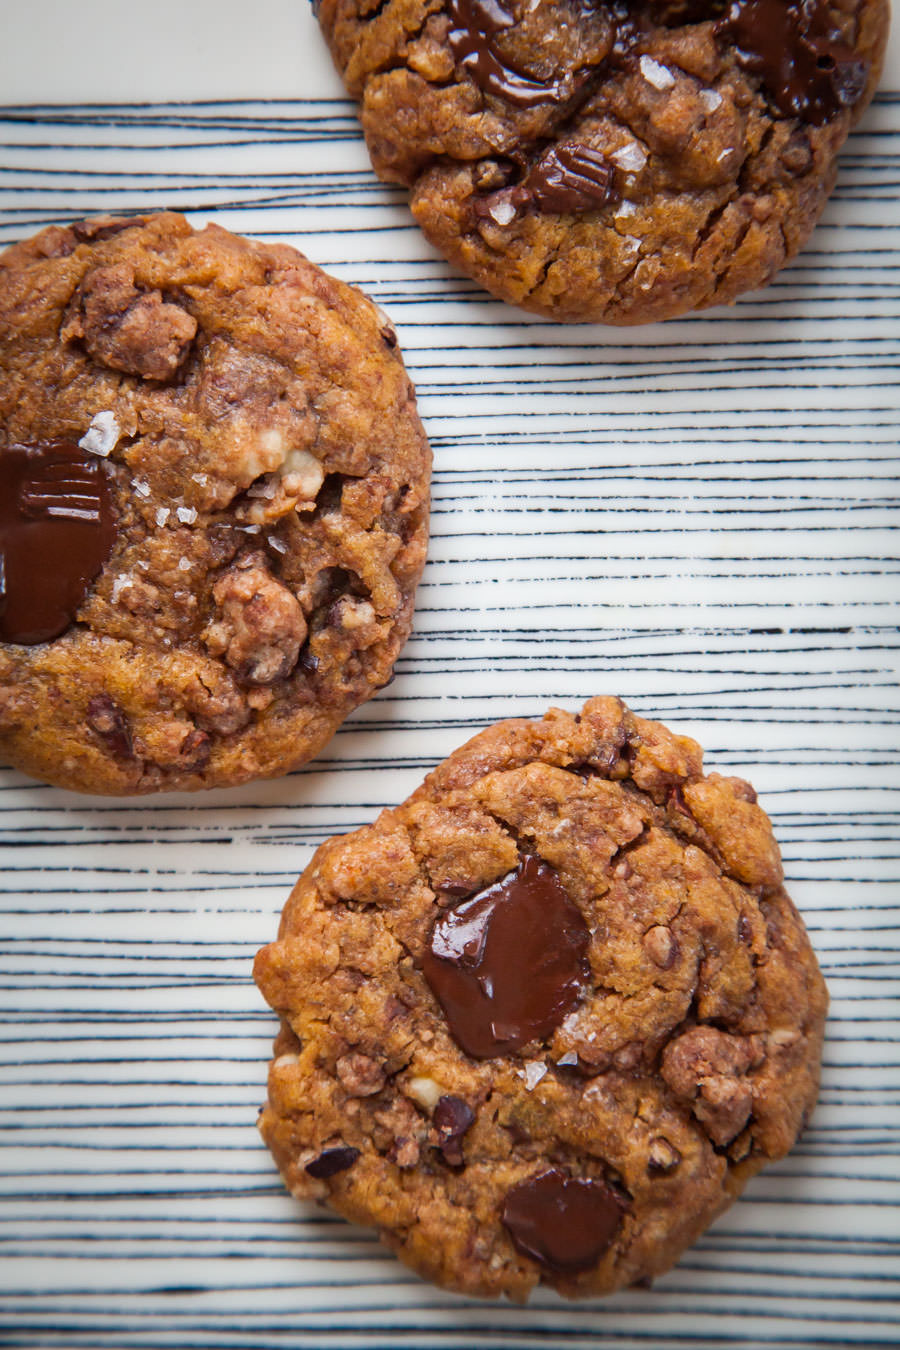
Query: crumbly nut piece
(620, 163)
(224, 477)
(554, 1019)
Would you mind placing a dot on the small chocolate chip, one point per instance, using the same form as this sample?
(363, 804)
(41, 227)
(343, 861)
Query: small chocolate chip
(452, 1117)
(331, 1161)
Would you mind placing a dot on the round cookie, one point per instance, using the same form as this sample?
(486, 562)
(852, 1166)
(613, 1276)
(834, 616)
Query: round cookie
(621, 162)
(214, 505)
(542, 1022)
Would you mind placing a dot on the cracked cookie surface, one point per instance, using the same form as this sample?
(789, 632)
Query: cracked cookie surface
(605, 930)
(215, 508)
(621, 162)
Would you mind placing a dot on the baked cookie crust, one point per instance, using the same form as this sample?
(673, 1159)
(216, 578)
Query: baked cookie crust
(614, 162)
(229, 437)
(543, 1021)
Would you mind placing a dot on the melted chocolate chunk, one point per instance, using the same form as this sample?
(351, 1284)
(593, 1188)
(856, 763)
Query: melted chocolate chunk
(473, 23)
(566, 1223)
(57, 529)
(452, 1117)
(331, 1161)
(509, 964)
(804, 67)
(571, 178)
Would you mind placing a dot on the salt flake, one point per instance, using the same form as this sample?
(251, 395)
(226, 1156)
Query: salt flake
(502, 212)
(630, 157)
(102, 434)
(186, 514)
(533, 1072)
(659, 76)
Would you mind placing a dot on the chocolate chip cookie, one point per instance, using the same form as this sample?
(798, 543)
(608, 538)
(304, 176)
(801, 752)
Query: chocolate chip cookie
(621, 162)
(214, 508)
(542, 1022)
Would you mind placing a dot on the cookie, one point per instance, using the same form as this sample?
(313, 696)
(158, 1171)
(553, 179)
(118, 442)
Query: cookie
(214, 506)
(542, 1022)
(621, 162)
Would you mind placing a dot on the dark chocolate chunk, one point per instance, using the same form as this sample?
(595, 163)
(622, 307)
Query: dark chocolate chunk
(509, 964)
(331, 1161)
(473, 23)
(57, 529)
(804, 67)
(564, 1222)
(571, 178)
(452, 1117)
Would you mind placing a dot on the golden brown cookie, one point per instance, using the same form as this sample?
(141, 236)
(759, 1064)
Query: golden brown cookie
(214, 508)
(621, 162)
(542, 1022)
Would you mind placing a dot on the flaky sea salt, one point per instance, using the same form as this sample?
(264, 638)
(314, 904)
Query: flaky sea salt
(711, 99)
(502, 212)
(141, 487)
(184, 564)
(186, 514)
(630, 157)
(534, 1071)
(568, 1059)
(278, 544)
(659, 76)
(102, 435)
(200, 478)
(162, 515)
